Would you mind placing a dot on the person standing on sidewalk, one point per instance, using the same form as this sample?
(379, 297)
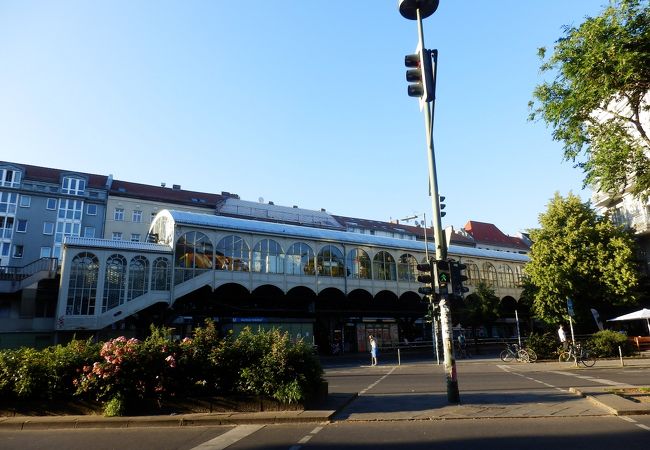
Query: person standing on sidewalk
(373, 350)
(562, 335)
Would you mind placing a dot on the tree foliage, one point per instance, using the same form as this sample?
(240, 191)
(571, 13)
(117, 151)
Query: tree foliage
(579, 255)
(598, 102)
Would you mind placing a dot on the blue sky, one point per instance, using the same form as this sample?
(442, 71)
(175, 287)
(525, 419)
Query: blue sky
(296, 102)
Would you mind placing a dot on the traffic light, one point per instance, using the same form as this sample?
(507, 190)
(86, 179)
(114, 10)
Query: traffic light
(457, 279)
(420, 74)
(443, 273)
(442, 205)
(427, 278)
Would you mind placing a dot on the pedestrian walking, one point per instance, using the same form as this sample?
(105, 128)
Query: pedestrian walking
(373, 350)
(562, 335)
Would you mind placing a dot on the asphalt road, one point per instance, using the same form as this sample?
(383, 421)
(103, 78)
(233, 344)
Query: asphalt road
(503, 406)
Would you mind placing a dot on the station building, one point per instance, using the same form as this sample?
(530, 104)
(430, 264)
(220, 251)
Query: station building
(174, 257)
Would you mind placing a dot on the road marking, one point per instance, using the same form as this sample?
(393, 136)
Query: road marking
(229, 437)
(645, 427)
(306, 438)
(627, 419)
(378, 381)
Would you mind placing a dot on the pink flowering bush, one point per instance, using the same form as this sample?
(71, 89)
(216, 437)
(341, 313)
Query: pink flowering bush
(130, 370)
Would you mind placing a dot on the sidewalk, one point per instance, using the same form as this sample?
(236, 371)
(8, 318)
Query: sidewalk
(542, 403)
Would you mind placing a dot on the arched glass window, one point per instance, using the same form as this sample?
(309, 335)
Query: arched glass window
(268, 257)
(383, 267)
(519, 275)
(506, 276)
(82, 288)
(490, 275)
(407, 268)
(115, 282)
(330, 261)
(160, 276)
(359, 264)
(193, 255)
(194, 250)
(233, 253)
(300, 260)
(138, 277)
(473, 275)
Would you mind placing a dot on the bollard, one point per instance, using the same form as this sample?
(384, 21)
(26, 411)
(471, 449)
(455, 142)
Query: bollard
(399, 359)
(620, 354)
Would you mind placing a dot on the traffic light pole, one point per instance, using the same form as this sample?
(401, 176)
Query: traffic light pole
(453, 395)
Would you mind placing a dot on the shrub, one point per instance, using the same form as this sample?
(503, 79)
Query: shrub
(267, 364)
(545, 345)
(604, 344)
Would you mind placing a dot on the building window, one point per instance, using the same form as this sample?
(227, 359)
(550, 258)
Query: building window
(117, 235)
(135, 237)
(21, 226)
(46, 252)
(48, 227)
(6, 227)
(138, 277)
(300, 260)
(137, 216)
(73, 186)
(161, 275)
(359, 264)
(10, 178)
(115, 282)
(330, 261)
(8, 202)
(384, 266)
(118, 215)
(51, 204)
(268, 257)
(82, 288)
(18, 251)
(4, 250)
(233, 253)
(407, 268)
(25, 201)
(91, 209)
(89, 232)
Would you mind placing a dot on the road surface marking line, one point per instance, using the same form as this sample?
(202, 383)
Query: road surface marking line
(305, 439)
(627, 419)
(377, 382)
(229, 437)
(645, 427)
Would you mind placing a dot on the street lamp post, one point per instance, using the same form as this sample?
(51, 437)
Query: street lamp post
(418, 10)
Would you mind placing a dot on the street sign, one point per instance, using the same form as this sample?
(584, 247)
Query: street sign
(569, 307)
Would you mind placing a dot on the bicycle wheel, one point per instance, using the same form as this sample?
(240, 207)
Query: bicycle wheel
(587, 360)
(531, 355)
(506, 356)
(565, 357)
(522, 356)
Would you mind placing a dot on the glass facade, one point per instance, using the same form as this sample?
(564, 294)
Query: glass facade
(268, 257)
(82, 287)
(300, 260)
(330, 261)
(359, 264)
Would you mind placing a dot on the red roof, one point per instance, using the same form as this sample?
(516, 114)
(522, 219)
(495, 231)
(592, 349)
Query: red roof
(48, 175)
(489, 234)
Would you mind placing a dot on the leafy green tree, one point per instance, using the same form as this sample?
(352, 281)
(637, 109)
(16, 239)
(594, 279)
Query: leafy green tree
(598, 102)
(481, 307)
(579, 255)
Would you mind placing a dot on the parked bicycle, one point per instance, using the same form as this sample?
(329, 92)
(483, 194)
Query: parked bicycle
(579, 354)
(513, 351)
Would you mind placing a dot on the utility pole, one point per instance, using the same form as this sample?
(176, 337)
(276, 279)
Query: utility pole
(422, 74)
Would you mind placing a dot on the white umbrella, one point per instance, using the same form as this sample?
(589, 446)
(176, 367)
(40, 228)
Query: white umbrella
(636, 315)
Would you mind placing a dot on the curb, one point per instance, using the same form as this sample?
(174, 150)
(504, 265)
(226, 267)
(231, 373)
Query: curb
(614, 403)
(31, 423)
